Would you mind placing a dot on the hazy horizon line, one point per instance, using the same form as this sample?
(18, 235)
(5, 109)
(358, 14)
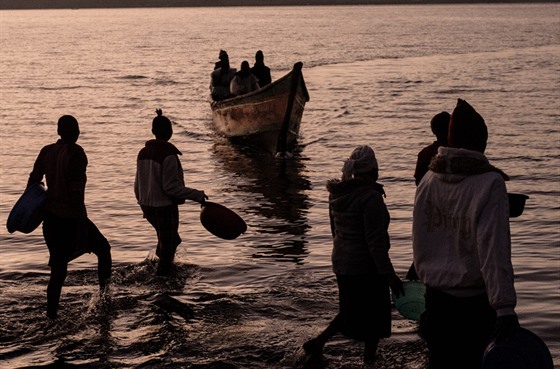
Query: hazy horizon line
(73, 4)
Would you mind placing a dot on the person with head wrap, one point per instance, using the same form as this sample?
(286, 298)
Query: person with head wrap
(244, 81)
(221, 77)
(159, 187)
(360, 257)
(67, 230)
(260, 70)
(462, 248)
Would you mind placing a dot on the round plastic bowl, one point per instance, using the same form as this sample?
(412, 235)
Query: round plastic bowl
(516, 204)
(412, 304)
(27, 213)
(525, 350)
(221, 221)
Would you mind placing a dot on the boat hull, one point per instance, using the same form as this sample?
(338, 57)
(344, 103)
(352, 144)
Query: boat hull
(269, 118)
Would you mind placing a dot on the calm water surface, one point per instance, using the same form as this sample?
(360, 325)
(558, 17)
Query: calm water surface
(376, 75)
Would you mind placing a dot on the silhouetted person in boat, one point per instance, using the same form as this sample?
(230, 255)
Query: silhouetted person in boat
(360, 258)
(221, 77)
(244, 81)
(462, 248)
(67, 230)
(440, 128)
(159, 187)
(261, 71)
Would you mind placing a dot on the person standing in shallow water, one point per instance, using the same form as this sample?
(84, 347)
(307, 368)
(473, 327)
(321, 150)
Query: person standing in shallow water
(67, 230)
(464, 261)
(360, 258)
(159, 187)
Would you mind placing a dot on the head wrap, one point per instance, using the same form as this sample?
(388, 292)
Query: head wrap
(223, 55)
(362, 160)
(467, 129)
(259, 56)
(68, 128)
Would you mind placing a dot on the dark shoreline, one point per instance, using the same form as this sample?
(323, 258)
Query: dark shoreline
(76, 4)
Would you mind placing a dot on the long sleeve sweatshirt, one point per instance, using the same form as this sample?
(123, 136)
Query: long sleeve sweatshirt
(159, 176)
(461, 234)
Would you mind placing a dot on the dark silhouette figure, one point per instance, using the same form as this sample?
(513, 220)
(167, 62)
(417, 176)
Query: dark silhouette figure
(159, 187)
(221, 77)
(261, 71)
(440, 128)
(67, 230)
(464, 260)
(360, 257)
(244, 81)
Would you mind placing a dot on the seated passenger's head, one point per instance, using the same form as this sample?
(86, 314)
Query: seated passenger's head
(259, 57)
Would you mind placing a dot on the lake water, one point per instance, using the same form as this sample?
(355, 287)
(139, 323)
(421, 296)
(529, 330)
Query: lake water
(376, 75)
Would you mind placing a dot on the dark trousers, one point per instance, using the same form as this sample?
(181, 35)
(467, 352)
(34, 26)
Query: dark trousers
(165, 221)
(456, 329)
(67, 239)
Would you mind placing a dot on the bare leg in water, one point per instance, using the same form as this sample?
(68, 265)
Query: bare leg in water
(59, 272)
(314, 347)
(370, 351)
(54, 289)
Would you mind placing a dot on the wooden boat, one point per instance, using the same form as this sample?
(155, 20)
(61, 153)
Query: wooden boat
(269, 117)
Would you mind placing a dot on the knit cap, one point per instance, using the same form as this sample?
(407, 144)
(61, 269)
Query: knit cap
(362, 160)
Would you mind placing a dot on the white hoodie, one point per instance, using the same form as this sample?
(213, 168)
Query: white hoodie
(461, 234)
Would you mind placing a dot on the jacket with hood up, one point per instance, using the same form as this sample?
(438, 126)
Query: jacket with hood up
(359, 225)
(461, 234)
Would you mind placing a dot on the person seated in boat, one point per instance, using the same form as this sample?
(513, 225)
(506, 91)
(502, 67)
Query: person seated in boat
(221, 77)
(261, 71)
(244, 81)
(218, 64)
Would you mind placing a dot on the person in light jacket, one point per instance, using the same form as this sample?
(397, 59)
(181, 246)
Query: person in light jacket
(462, 248)
(159, 187)
(360, 257)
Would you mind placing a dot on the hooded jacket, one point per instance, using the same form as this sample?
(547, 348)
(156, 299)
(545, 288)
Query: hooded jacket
(461, 234)
(359, 226)
(159, 176)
